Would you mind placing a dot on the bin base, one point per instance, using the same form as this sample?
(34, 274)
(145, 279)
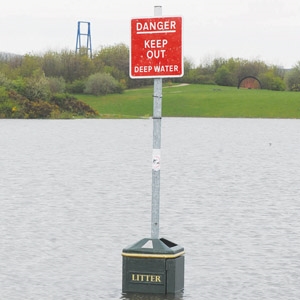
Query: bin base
(153, 266)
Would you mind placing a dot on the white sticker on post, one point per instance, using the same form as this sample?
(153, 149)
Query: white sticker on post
(156, 160)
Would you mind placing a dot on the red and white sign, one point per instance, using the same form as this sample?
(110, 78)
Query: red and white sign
(156, 47)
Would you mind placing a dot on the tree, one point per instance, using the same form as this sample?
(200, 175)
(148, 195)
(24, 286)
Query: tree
(271, 81)
(115, 61)
(292, 78)
(30, 64)
(223, 76)
(227, 72)
(75, 66)
(250, 68)
(188, 66)
(116, 56)
(52, 64)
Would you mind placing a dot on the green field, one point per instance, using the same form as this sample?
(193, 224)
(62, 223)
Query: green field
(198, 101)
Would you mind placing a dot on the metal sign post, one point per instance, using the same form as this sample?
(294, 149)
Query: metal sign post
(155, 265)
(157, 105)
(157, 101)
(156, 52)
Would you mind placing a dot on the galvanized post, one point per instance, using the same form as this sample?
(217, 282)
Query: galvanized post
(157, 105)
(161, 258)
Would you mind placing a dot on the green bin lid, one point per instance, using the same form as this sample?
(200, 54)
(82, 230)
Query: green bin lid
(153, 248)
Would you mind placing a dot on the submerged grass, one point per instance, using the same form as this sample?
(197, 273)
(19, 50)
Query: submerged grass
(198, 101)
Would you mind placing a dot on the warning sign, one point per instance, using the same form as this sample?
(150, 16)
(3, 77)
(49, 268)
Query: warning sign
(156, 47)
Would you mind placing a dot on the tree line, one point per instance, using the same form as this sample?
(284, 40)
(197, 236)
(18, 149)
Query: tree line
(38, 78)
(74, 69)
(229, 72)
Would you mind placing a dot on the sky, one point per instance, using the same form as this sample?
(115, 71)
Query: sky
(266, 30)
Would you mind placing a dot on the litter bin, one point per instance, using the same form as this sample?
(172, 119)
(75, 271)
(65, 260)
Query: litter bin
(153, 266)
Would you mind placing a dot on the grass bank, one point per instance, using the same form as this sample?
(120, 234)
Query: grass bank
(199, 101)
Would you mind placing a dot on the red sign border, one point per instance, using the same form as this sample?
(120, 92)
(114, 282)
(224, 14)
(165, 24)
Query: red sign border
(130, 50)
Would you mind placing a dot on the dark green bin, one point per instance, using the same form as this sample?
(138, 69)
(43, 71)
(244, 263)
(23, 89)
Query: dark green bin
(153, 266)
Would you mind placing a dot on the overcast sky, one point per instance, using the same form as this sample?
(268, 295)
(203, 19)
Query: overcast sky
(268, 30)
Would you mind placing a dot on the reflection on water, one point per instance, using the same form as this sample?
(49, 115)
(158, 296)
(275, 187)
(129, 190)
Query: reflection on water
(74, 193)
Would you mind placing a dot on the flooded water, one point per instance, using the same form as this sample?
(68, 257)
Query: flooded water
(74, 193)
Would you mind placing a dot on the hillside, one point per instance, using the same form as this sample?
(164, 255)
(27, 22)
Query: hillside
(197, 100)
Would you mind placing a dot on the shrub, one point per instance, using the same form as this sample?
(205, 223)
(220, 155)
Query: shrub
(271, 81)
(19, 85)
(7, 109)
(36, 88)
(4, 81)
(38, 109)
(76, 87)
(68, 103)
(6, 105)
(56, 84)
(3, 94)
(223, 76)
(102, 84)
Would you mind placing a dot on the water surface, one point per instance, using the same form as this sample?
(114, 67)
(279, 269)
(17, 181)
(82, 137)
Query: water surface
(74, 193)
